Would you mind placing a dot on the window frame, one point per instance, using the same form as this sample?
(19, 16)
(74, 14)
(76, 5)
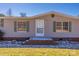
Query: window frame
(25, 26)
(62, 26)
(58, 26)
(67, 27)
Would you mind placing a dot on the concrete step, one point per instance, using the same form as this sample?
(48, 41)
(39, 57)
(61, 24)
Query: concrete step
(40, 38)
(41, 42)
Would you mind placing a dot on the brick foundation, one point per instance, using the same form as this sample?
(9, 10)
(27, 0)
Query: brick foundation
(40, 42)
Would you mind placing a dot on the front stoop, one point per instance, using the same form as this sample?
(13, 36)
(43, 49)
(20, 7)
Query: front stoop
(40, 41)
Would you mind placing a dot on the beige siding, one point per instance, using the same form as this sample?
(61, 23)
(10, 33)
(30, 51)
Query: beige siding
(49, 27)
(9, 27)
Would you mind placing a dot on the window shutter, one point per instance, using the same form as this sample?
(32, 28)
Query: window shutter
(70, 26)
(15, 26)
(27, 26)
(54, 26)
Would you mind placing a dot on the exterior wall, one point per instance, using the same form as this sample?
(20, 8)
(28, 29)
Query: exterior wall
(49, 27)
(48, 20)
(9, 29)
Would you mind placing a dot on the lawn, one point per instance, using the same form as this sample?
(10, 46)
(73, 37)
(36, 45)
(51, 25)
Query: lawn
(38, 52)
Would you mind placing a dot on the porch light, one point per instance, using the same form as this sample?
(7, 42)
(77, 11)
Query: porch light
(52, 15)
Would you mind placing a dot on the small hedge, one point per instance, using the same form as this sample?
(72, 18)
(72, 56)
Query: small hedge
(1, 34)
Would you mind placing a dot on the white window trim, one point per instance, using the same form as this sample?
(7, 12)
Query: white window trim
(17, 27)
(62, 26)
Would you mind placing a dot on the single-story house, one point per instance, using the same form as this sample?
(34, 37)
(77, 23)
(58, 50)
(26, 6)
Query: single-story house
(47, 25)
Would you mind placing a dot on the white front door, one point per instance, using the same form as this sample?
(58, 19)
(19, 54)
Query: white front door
(39, 27)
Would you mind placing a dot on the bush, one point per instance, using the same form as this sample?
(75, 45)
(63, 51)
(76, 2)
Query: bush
(1, 34)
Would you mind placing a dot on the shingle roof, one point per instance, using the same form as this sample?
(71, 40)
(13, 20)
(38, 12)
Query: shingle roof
(43, 14)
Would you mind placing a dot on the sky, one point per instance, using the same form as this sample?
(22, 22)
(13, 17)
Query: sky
(32, 9)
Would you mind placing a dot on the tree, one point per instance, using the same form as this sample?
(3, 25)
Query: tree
(9, 12)
(78, 15)
(2, 15)
(23, 14)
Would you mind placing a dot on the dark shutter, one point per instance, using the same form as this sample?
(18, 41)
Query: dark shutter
(27, 26)
(54, 26)
(15, 26)
(70, 26)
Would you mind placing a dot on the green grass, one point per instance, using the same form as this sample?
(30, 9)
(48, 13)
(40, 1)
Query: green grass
(38, 52)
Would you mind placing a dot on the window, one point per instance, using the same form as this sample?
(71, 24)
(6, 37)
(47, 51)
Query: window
(39, 30)
(65, 27)
(1, 22)
(62, 26)
(22, 26)
(58, 26)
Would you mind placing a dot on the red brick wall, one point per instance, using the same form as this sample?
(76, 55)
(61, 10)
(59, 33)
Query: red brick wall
(41, 42)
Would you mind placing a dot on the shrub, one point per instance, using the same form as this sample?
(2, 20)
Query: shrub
(1, 34)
